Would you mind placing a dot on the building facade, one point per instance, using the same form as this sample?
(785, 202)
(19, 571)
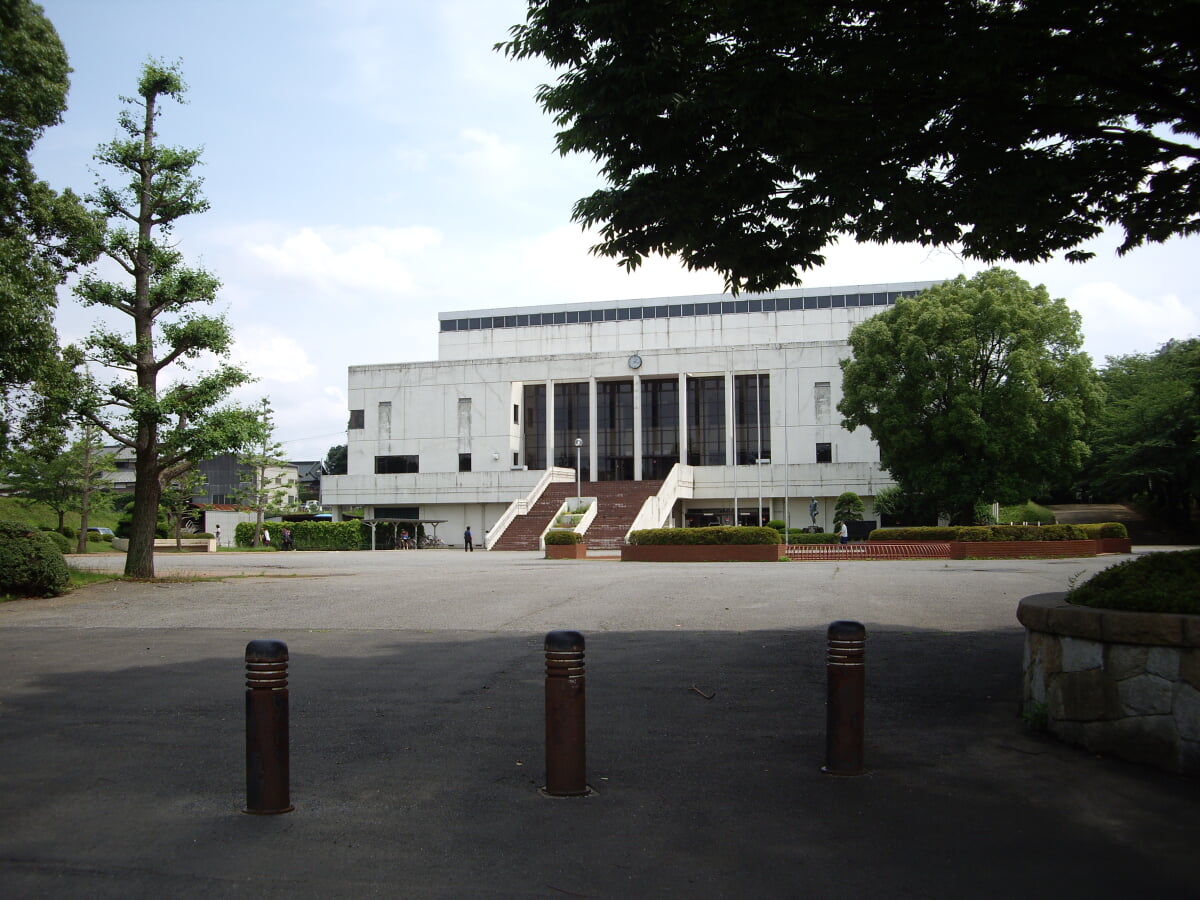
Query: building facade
(732, 401)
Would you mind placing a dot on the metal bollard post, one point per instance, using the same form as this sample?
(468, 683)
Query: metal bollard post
(566, 732)
(267, 775)
(845, 699)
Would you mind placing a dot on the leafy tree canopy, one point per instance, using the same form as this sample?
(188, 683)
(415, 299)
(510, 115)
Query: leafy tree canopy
(42, 233)
(335, 460)
(975, 389)
(747, 135)
(1145, 439)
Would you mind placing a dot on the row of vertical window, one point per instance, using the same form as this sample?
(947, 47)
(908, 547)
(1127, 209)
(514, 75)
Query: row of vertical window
(655, 463)
(676, 310)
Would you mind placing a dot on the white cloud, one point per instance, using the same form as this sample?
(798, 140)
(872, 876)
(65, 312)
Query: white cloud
(271, 355)
(497, 164)
(1117, 322)
(345, 261)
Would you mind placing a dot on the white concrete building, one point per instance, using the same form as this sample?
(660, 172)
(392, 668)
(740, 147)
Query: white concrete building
(730, 401)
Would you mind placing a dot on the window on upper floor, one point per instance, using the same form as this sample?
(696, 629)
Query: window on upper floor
(824, 453)
(397, 465)
(357, 419)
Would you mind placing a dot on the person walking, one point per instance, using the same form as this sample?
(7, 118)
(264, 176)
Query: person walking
(843, 534)
(468, 543)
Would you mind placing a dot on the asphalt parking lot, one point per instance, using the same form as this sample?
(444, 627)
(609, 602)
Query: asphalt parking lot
(417, 736)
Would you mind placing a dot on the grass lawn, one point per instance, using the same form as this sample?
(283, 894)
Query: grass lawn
(12, 510)
(1025, 512)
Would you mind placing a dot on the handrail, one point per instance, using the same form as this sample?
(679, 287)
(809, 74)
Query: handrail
(522, 505)
(654, 511)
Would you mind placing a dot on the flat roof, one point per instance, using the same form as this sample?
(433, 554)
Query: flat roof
(886, 288)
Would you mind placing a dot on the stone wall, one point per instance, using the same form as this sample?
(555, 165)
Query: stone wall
(1120, 683)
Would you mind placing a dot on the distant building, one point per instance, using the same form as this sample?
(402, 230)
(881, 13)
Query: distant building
(730, 402)
(226, 480)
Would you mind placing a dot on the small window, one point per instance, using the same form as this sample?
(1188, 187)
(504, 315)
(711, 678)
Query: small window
(357, 419)
(464, 462)
(397, 465)
(824, 453)
(516, 413)
(516, 459)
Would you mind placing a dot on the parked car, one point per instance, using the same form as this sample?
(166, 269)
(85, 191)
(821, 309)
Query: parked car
(100, 530)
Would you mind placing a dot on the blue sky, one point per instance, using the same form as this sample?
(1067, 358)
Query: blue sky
(371, 163)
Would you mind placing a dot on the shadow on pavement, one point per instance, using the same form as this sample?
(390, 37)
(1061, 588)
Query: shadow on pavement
(416, 759)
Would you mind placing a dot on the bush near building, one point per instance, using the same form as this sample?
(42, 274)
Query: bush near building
(31, 565)
(308, 535)
(563, 536)
(716, 534)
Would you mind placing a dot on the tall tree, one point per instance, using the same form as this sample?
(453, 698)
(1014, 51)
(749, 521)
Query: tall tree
(266, 490)
(42, 233)
(747, 135)
(1146, 440)
(975, 389)
(169, 425)
(176, 500)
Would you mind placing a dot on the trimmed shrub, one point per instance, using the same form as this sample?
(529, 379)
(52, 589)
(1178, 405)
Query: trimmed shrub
(1105, 530)
(820, 537)
(30, 563)
(1156, 582)
(1023, 533)
(920, 533)
(778, 524)
(715, 534)
(848, 507)
(328, 535)
(975, 533)
(61, 541)
(563, 536)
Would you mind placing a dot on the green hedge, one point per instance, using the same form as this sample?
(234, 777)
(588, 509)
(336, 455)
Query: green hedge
(983, 533)
(563, 536)
(31, 565)
(923, 533)
(347, 535)
(61, 541)
(1156, 582)
(1105, 530)
(821, 537)
(716, 534)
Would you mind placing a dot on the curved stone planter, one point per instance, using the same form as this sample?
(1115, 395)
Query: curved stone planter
(1121, 683)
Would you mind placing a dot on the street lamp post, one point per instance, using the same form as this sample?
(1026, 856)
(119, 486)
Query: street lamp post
(578, 473)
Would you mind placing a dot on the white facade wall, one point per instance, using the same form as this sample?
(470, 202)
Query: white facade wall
(470, 400)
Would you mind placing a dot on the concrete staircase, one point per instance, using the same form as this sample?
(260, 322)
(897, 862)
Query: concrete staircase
(619, 502)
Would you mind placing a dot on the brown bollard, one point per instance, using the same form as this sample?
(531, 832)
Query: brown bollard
(845, 699)
(566, 727)
(267, 774)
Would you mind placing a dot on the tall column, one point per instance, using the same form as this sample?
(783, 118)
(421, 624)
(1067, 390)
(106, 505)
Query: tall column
(593, 432)
(683, 422)
(637, 427)
(730, 427)
(549, 423)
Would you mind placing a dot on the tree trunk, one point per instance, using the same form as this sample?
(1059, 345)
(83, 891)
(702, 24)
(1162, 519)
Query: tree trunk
(139, 559)
(86, 494)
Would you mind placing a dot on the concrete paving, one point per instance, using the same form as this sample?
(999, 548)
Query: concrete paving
(417, 736)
